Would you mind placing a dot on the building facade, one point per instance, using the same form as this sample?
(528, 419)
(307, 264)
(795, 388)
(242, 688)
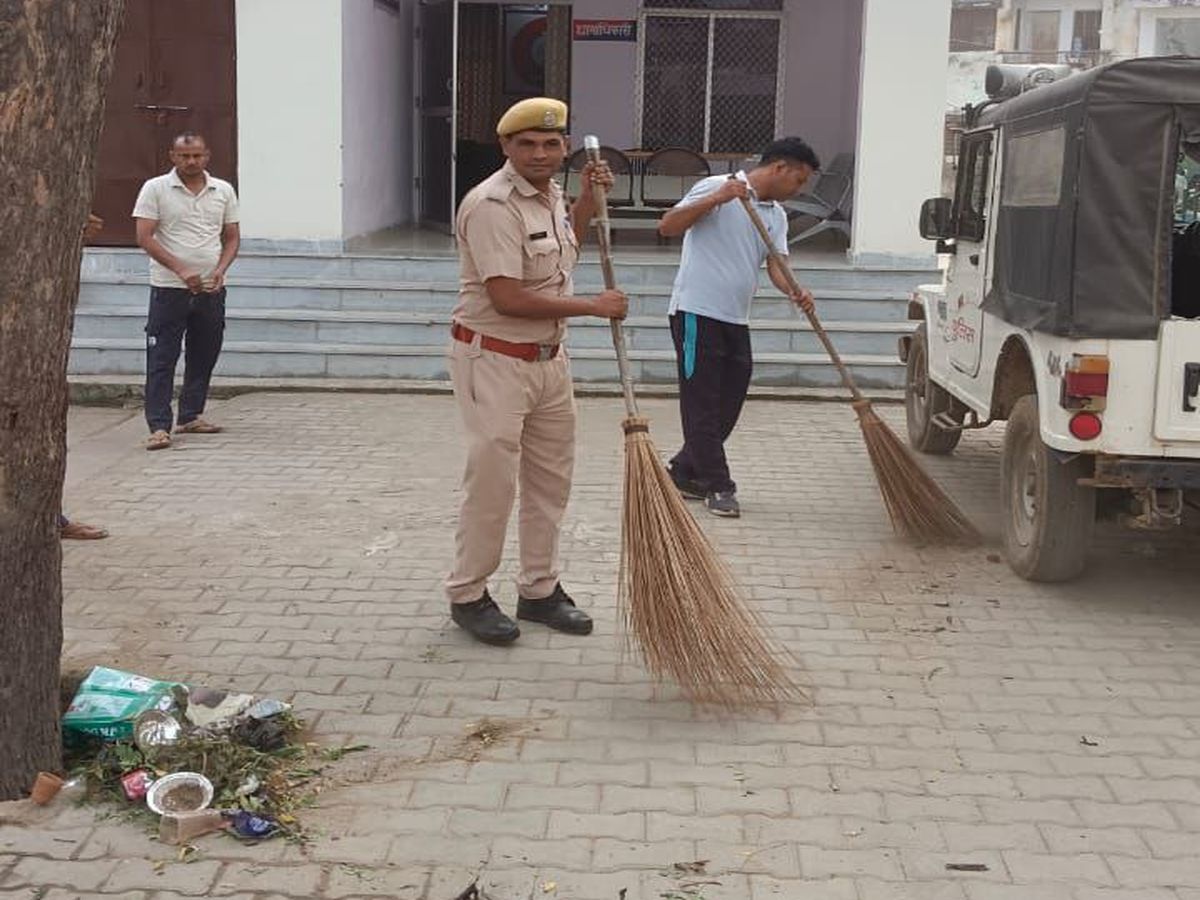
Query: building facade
(337, 119)
(1077, 33)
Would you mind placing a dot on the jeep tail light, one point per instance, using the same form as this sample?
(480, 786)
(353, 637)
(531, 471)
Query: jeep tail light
(1085, 383)
(1086, 426)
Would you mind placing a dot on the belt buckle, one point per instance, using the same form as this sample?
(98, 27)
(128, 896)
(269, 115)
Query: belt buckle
(546, 352)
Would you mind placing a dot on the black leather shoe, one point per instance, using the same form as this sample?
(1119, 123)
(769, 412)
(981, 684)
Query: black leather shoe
(558, 611)
(688, 487)
(485, 621)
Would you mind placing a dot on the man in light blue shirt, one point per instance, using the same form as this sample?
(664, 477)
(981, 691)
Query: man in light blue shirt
(710, 306)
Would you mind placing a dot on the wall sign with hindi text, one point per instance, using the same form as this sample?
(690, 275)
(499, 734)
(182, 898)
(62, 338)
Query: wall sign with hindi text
(605, 29)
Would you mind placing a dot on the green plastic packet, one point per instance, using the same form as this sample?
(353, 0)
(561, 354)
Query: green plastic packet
(109, 701)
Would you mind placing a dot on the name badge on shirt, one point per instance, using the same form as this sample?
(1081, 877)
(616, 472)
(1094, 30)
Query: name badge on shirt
(538, 235)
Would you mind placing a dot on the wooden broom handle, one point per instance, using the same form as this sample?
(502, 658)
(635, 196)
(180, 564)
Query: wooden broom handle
(603, 238)
(818, 328)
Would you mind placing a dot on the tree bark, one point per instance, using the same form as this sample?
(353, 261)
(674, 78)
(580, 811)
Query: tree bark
(55, 63)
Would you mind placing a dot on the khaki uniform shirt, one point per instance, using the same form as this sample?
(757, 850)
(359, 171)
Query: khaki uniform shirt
(507, 228)
(189, 225)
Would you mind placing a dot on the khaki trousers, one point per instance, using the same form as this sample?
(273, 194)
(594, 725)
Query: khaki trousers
(519, 419)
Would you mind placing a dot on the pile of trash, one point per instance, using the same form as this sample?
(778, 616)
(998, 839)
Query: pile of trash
(199, 759)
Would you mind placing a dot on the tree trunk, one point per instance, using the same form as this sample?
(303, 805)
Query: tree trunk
(55, 62)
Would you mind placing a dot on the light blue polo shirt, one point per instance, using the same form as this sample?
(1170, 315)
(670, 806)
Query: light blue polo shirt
(722, 253)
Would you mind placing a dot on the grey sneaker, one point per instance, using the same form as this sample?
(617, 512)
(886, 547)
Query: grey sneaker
(724, 504)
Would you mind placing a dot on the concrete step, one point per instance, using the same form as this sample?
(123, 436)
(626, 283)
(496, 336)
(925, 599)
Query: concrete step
(431, 329)
(258, 359)
(632, 273)
(344, 315)
(111, 390)
(849, 304)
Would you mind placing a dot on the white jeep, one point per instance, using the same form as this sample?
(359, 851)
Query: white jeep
(1070, 304)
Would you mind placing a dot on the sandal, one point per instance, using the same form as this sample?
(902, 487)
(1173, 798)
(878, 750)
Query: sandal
(160, 440)
(78, 531)
(198, 426)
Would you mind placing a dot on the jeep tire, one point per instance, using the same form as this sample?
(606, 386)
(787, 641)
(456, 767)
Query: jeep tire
(923, 400)
(1048, 517)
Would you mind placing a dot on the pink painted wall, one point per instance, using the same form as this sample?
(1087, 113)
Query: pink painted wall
(602, 78)
(824, 50)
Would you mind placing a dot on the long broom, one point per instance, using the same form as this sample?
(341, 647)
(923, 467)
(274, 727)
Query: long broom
(918, 508)
(678, 599)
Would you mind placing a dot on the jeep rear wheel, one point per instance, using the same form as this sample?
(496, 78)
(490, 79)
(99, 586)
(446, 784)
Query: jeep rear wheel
(923, 400)
(1048, 517)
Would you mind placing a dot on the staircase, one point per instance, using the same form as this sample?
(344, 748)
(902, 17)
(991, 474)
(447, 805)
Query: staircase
(348, 317)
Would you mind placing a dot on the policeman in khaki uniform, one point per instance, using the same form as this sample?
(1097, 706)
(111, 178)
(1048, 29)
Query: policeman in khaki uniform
(518, 244)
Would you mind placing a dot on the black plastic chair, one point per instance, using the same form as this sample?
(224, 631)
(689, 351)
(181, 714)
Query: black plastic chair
(674, 170)
(621, 193)
(830, 202)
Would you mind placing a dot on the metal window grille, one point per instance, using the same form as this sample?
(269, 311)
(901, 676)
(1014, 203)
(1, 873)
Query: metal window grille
(709, 81)
(714, 4)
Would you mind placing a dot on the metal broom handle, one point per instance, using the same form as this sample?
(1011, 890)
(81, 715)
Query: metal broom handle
(591, 144)
(781, 260)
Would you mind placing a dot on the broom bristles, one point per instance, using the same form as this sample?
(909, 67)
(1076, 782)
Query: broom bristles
(918, 508)
(679, 600)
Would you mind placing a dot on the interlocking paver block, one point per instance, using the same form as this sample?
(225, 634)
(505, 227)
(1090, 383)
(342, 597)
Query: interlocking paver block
(194, 879)
(959, 714)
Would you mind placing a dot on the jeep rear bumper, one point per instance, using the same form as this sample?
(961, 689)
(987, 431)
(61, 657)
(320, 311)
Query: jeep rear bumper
(1139, 472)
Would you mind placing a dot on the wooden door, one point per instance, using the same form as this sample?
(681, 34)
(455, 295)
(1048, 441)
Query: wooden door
(175, 71)
(437, 91)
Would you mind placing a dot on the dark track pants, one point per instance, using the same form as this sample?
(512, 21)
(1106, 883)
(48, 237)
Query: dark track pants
(174, 314)
(714, 363)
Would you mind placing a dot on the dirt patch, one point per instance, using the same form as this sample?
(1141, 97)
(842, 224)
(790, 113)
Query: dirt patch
(486, 734)
(375, 766)
(185, 798)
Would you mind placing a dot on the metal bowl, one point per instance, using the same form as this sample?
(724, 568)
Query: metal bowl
(164, 796)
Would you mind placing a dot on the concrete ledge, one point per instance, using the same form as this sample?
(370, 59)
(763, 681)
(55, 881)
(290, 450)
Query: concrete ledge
(100, 390)
(437, 351)
(391, 317)
(317, 282)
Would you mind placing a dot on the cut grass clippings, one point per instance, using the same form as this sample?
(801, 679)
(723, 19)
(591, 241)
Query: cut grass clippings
(279, 783)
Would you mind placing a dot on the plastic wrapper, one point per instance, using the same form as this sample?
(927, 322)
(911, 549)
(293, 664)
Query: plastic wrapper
(136, 784)
(109, 701)
(249, 825)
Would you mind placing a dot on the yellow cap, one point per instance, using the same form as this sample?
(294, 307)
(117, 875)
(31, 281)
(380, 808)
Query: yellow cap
(534, 114)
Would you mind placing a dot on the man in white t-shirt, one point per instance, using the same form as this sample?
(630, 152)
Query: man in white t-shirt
(187, 221)
(710, 306)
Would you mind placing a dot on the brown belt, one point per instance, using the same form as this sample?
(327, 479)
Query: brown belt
(527, 352)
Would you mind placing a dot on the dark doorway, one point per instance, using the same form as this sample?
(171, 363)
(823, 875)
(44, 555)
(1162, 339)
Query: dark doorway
(505, 53)
(436, 90)
(175, 70)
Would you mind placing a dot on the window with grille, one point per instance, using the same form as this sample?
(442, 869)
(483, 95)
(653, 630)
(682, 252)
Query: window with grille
(1177, 37)
(714, 4)
(1086, 37)
(972, 28)
(710, 81)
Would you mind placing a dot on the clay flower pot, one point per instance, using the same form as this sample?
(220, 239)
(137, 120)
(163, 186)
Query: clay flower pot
(45, 788)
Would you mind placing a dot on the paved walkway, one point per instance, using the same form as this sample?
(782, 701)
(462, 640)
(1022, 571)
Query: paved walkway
(1046, 737)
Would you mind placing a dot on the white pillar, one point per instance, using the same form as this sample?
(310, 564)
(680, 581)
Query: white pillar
(1108, 26)
(901, 116)
(289, 95)
(1122, 25)
(1006, 26)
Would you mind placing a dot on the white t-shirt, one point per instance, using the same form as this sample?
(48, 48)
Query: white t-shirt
(722, 253)
(189, 225)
